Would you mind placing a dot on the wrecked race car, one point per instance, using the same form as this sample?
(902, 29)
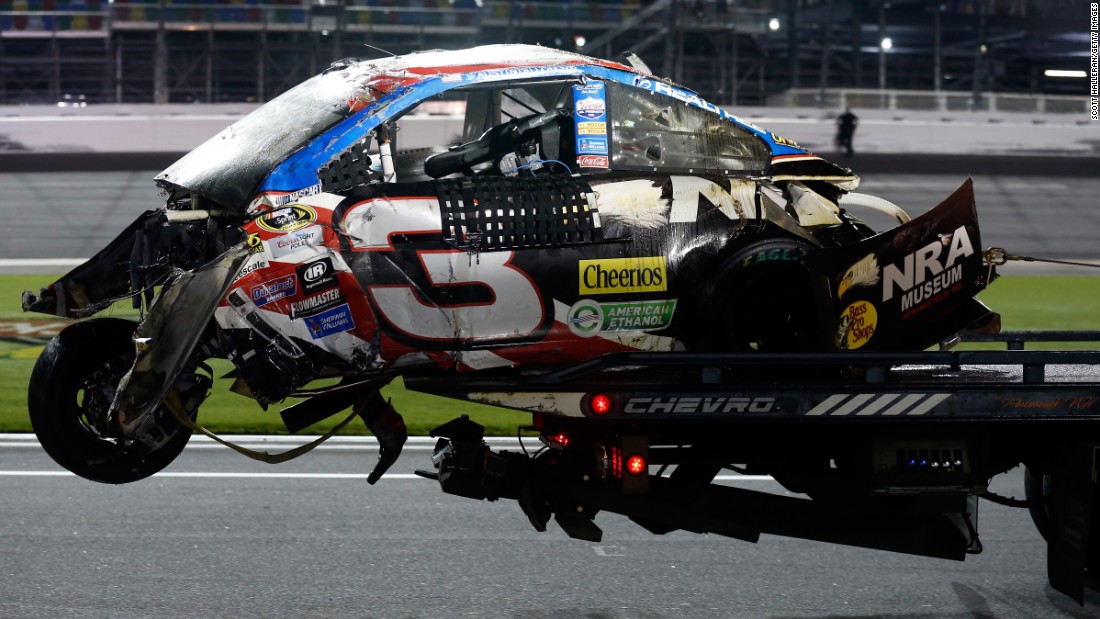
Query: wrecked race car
(585, 208)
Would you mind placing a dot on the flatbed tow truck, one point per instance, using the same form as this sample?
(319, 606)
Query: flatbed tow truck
(889, 450)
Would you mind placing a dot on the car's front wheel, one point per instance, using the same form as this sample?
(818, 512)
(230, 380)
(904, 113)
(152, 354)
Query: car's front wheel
(763, 298)
(71, 389)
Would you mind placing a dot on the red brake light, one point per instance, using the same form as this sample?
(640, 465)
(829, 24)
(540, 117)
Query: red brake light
(560, 439)
(600, 404)
(635, 465)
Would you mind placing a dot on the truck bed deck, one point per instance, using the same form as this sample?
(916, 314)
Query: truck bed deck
(973, 384)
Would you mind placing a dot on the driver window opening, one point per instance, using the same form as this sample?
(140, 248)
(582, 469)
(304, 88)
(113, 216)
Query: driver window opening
(523, 130)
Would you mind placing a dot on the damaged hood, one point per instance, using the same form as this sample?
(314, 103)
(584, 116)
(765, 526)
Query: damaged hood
(230, 165)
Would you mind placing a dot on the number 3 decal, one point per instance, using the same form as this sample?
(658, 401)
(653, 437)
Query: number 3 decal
(514, 309)
(505, 304)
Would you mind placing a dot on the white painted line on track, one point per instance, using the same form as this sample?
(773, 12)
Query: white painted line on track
(347, 443)
(881, 182)
(51, 118)
(360, 476)
(277, 441)
(223, 475)
(41, 262)
(273, 438)
(365, 446)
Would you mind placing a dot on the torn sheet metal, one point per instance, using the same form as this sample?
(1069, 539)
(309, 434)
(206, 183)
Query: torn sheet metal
(586, 208)
(812, 208)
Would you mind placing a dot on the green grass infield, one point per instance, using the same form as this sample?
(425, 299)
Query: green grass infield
(1025, 303)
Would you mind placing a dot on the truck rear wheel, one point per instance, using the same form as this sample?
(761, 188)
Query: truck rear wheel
(1036, 489)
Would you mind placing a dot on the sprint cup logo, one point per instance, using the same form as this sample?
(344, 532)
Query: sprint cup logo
(616, 275)
(287, 219)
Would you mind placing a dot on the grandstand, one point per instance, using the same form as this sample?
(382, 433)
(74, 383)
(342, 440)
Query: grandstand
(77, 52)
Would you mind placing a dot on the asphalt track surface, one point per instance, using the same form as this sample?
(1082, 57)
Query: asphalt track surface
(217, 535)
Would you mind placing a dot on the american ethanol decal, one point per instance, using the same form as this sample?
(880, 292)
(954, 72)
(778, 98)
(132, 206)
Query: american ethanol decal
(588, 317)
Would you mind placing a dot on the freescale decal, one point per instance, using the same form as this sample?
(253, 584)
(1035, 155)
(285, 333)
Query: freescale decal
(257, 265)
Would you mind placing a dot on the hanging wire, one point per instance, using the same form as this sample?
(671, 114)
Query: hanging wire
(528, 165)
(998, 256)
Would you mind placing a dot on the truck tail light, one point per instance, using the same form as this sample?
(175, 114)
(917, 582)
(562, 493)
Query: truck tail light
(556, 441)
(600, 404)
(615, 462)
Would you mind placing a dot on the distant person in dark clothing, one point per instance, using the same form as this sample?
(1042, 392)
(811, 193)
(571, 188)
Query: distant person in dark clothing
(846, 125)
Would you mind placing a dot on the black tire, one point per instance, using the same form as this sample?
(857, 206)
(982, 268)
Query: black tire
(70, 393)
(1036, 489)
(763, 299)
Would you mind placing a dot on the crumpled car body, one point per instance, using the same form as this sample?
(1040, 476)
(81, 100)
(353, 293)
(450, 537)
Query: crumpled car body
(583, 207)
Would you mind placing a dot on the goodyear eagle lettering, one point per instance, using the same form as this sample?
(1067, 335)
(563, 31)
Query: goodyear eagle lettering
(922, 273)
